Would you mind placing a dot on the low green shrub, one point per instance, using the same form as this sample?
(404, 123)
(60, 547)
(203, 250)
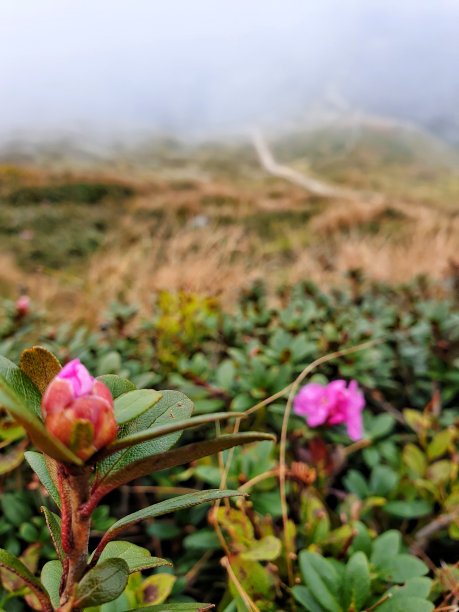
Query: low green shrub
(368, 525)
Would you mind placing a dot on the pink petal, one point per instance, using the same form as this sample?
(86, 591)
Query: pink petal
(312, 403)
(78, 376)
(355, 426)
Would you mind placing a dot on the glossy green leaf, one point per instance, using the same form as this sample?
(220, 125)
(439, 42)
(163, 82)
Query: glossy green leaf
(172, 406)
(179, 607)
(30, 558)
(162, 430)
(102, 583)
(136, 557)
(383, 480)
(11, 563)
(165, 507)
(179, 456)
(40, 366)
(305, 598)
(401, 568)
(134, 403)
(116, 384)
(53, 522)
(406, 603)
(51, 576)
(408, 509)
(356, 582)
(321, 578)
(38, 463)
(12, 377)
(386, 546)
(22, 408)
(417, 587)
(381, 425)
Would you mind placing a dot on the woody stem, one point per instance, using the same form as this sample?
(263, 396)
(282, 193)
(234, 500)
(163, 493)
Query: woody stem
(77, 486)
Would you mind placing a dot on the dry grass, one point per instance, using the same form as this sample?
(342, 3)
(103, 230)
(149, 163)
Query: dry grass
(426, 249)
(213, 261)
(342, 216)
(222, 261)
(249, 228)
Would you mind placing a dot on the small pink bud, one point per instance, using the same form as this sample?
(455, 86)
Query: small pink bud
(78, 409)
(22, 306)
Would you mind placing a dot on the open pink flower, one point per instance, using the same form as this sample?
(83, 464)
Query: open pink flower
(332, 404)
(78, 409)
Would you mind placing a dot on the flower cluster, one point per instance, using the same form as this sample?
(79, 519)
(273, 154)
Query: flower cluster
(332, 404)
(78, 409)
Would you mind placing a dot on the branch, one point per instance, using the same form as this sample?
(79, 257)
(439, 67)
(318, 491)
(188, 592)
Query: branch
(422, 537)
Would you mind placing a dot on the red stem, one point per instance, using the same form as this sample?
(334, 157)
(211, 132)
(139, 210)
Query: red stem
(66, 514)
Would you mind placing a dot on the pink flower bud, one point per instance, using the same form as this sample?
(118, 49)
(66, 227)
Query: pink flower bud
(78, 409)
(22, 305)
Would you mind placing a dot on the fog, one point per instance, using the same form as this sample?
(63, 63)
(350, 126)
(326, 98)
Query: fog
(188, 66)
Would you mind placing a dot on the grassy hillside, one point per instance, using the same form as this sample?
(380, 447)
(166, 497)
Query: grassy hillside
(208, 218)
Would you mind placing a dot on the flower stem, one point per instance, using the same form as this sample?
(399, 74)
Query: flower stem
(76, 484)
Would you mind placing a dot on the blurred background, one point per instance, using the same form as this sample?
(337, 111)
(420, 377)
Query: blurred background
(204, 145)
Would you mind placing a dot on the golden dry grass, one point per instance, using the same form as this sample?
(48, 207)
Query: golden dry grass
(247, 229)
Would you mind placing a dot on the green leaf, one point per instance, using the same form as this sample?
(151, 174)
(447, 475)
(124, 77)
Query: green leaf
(173, 406)
(157, 588)
(417, 587)
(102, 583)
(440, 444)
(266, 549)
(16, 508)
(38, 463)
(179, 607)
(134, 403)
(136, 557)
(162, 430)
(12, 564)
(254, 579)
(356, 583)
(53, 522)
(362, 540)
(406, 603)
(179, 456)
(383, 480)
(305, 598)
(415, 460)
(386, 546)
(167, 506)
(116, 384)
(356, 483)
(202, 540)
(82, 435)
(51, 576)
(12, 459)
(381, 425)
(40, 366)
(401, 568)
(22, 387)
(321, 578)
(23, 408)
(408, 509)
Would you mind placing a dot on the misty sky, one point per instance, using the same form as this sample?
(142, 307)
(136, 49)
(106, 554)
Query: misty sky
(116, 65)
